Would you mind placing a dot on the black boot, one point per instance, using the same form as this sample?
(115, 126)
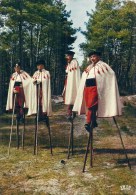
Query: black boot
(73, 115)
(46, 120)
(20, 118)
(69, 118)
(87, 127)
(95, 124)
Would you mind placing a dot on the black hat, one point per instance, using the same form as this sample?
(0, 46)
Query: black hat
(18, 64)
(71, 53)
(98, 53)
(40, 62)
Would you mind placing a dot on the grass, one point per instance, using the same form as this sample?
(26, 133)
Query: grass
(44, 174)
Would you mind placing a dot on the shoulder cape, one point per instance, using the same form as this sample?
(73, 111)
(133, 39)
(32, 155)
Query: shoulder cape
(109, 103)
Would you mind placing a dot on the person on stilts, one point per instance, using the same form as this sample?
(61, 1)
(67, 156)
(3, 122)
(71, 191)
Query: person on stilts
(18, 100)
(97, 96)
(70, 91)
(40, 104)
(98, 91)
(41, 78)
(20, 85)
(71, 83)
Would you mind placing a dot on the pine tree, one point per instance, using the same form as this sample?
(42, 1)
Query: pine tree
(110, 29)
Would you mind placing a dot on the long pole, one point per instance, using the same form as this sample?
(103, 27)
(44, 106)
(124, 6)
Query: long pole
(48, 126)
(37, 117)
(12, 121)
(72, 137)
(91, 149)
(87, 149)
(70, 143)
(91, 132)
(23, 133)
(129, 165)
(17, 132)
(90, 139)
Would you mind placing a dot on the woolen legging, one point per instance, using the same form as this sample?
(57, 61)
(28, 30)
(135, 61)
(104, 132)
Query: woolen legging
(91, 100)
(20, 99)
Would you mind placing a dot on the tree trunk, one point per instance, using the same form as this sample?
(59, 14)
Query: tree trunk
(20, 36)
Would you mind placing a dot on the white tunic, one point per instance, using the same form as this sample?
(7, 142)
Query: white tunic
(43, 77)
(91, 73)
(26, 82)
(18, 78)
(109, 103)
(73, 79)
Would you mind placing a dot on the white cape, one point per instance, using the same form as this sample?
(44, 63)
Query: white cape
(26, 80)
(109, 103)
(46, 93)
(73, 79)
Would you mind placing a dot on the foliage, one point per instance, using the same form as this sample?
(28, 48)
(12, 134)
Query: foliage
(36, 29)
(112, 29)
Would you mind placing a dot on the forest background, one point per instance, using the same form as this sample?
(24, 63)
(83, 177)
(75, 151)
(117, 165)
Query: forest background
(31, 29)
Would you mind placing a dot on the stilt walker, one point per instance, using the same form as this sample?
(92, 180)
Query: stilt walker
(97, 96)
(40, 104)
(18, 98)
(70, 91)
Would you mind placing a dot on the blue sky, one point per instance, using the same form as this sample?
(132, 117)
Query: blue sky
(78, 16)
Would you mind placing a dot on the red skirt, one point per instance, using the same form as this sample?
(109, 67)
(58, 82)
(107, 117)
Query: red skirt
(20, 97)
(91, 100)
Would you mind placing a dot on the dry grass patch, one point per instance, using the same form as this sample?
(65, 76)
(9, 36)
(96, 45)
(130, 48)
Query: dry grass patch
(24, 173)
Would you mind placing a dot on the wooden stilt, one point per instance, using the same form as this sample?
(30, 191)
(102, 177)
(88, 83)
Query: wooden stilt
(12, 122)
(87, 149)
(49, 131)
(91, 149)
(129, 165)
(90, 140)
(23, 133)
(17, 133)
(71, 141)
(37, 121)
